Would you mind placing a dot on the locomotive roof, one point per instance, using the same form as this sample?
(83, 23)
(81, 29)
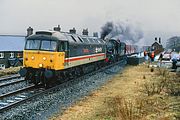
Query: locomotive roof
(72, 38)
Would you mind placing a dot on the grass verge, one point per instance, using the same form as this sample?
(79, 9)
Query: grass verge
(139, 93)
(9, 71)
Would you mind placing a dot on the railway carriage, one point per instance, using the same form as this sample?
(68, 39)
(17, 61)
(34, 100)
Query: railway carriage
(131, 49)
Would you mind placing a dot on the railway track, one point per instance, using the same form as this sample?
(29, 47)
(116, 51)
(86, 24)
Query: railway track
(10, 80)
(9, 77)
(12, 99)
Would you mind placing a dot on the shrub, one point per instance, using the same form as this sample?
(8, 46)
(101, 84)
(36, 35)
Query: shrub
(121, 108)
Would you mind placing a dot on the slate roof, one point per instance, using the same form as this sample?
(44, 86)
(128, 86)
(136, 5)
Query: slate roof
(12, 43)
(156, 44)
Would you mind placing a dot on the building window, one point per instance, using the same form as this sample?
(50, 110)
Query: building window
(1, 55)
(2, 66)
(11, 55)
(18, 55)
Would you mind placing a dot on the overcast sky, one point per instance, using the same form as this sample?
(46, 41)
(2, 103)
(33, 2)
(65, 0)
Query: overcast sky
(154, 17)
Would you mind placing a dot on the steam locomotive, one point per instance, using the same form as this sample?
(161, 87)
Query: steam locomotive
(55, 55)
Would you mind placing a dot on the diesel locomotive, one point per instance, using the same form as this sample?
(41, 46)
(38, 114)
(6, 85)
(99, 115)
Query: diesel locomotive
(55, 55)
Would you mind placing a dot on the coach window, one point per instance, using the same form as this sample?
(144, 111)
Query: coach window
(1, 55)
(11, 55)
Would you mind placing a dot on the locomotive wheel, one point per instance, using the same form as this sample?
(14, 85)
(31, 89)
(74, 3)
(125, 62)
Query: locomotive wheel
(47, 84)
(28, 78)
(38, 78)
(59, 76)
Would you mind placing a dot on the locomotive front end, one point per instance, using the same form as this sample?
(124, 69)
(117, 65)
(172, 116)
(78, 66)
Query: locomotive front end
(41, 58)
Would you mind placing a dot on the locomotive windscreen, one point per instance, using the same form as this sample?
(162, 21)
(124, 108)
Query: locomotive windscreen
(47, 45)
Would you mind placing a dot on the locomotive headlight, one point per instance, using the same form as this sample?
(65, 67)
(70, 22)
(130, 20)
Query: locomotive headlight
(32, 57)
(44, 58)
(40, 65)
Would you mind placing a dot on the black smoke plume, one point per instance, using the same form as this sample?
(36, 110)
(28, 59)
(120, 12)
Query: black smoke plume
(126, 32)
(106, 29)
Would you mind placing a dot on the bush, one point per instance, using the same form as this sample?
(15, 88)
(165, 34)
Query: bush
(121, 108)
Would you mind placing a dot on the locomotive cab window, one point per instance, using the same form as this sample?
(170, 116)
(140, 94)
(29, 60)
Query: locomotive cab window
(47, 45)
(62, 46)
(32, 45)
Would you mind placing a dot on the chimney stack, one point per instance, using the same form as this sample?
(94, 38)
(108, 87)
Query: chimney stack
(155, 39)
(72, 31)
(58, 28)
(159, 40)
(29, 31)
(85, 31)
(95, 34)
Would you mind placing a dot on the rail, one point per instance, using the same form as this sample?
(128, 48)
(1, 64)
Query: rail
(23, 99)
